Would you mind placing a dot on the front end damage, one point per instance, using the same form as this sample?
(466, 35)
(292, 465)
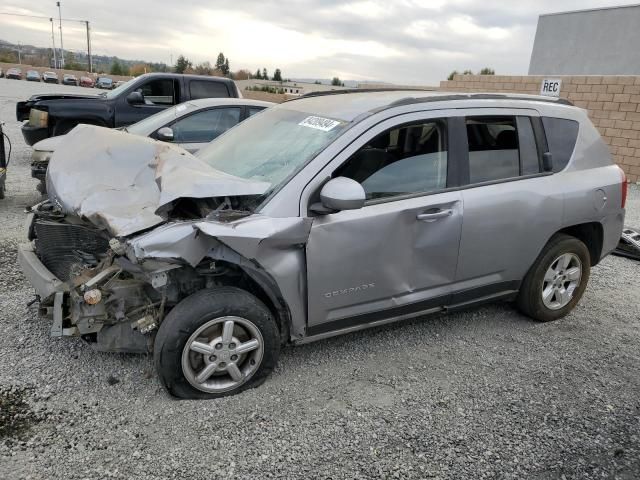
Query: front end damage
(114, 293)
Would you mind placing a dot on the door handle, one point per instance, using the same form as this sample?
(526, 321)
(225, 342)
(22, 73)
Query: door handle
(430, 217)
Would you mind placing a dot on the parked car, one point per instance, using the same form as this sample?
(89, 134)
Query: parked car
(119, 83)
(33, 76)
(50, 77)
(68, 79)
(104, 83)
(86, 82)
(190, 125)
(14, 74)
(55, 114)
(317, 217)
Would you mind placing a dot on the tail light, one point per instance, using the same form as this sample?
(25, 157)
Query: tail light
(625, 188)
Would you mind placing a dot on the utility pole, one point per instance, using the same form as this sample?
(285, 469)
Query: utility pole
(53, 39)
(61, 44)
(89, 47)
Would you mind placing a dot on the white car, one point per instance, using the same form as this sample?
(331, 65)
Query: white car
(191, 125)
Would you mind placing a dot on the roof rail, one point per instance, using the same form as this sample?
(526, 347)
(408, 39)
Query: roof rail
(478, 96)
(359, 90)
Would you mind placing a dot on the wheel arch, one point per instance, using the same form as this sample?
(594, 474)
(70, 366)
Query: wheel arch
(591, 234)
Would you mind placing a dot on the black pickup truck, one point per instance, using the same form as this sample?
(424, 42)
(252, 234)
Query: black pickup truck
(49, 115)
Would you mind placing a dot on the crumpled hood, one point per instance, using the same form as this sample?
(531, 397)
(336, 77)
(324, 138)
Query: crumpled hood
(123, 183)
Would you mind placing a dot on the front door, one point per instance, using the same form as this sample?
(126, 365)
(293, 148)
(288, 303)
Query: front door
(397, 255)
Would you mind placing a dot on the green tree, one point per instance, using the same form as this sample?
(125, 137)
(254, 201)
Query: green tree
(467, 72)
(265, 74)
(487, 71)
(182, 63)
(336, 82)
(258, 74)
(452, 74)
(220, 61)
(277, 75)
(225, 67)
(116, 67)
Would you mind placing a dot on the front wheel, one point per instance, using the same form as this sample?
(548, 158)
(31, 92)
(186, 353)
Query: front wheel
(556, 281)
(216, 342)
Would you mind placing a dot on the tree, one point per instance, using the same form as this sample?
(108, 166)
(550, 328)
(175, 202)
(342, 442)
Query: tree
(116, 68)
(204, 68)
(225, 67)
(467, 72)
(265, 74)
(335, 81)
(258, 75)
(452, 74)
(242, 75)
(139, 69)
(182, 64)
(277, 75)
(487, 71)
(220, 61)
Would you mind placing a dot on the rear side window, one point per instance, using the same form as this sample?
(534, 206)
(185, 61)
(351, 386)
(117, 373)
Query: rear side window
(500, 148)
(203, 89)
(562, 135)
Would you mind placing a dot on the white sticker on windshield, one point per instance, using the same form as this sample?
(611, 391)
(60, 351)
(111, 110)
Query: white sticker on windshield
(319, 123)
(180, 108)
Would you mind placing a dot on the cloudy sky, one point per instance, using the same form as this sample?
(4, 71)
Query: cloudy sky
(408, 41)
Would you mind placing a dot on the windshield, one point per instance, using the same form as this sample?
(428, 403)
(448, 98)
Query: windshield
(116, 91)
(272, 146)
(150, 124)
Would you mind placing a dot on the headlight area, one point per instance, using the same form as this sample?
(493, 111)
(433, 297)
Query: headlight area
(120, 307)
(41, 156)
(38, 118)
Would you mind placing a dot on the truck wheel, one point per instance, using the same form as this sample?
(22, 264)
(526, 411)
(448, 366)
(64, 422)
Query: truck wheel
(216, 342)
(64, 127)
(556, 281)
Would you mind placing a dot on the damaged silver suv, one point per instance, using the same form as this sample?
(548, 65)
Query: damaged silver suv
(320, 216)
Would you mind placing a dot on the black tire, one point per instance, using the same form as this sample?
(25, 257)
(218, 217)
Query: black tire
(193, 312)
(529, 299)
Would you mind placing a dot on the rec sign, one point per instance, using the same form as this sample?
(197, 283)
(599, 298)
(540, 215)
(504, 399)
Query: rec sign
(551, 87)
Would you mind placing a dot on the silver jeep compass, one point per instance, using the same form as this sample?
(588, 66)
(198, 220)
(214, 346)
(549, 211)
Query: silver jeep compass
(319, 216)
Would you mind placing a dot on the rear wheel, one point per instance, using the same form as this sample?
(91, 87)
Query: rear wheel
(216, 342)
(556, 281)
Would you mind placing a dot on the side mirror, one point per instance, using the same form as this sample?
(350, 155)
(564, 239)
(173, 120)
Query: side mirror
(165, 134)
(340, 193)
(135, 98)
(547, 162)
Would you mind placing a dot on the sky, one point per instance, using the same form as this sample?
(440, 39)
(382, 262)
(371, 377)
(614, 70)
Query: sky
(416, 42)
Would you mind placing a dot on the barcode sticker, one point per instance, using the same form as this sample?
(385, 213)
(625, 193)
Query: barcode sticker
(319, 123)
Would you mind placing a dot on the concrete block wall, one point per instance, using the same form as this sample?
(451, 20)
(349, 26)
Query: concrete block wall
(613, 103)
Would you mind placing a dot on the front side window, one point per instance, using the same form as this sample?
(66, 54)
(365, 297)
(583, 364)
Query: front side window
(405, 160)
(158, 92)
(203, 127)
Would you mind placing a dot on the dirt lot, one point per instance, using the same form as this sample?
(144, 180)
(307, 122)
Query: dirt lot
(481, 394)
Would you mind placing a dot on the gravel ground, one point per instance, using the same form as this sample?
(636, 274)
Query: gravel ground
(481, 394)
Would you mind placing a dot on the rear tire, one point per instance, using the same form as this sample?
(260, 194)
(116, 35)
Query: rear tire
(551, 289)
(197, 356)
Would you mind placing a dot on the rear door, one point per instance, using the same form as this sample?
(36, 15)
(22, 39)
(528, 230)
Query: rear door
(397, 255)
(511, 208)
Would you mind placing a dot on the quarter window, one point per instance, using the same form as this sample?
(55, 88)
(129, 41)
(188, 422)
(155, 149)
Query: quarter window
(405, 160)
(203, 127)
